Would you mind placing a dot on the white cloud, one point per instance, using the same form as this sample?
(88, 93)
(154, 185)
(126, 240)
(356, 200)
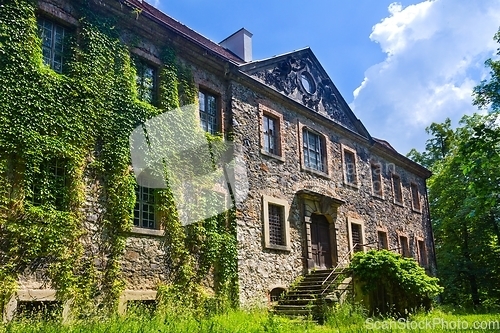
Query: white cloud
(435, 53)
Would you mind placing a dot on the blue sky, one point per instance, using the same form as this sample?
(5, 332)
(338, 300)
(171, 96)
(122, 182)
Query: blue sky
(400, 65)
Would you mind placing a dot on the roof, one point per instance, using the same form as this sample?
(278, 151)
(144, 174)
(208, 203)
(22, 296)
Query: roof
(167, 21)
(385, 143)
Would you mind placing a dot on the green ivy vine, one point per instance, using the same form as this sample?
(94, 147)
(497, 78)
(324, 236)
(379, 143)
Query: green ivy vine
(78, 124)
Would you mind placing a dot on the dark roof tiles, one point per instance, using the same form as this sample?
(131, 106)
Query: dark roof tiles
(180, 28)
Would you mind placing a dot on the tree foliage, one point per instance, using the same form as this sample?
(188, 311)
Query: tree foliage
(464, 194)
(487, 93)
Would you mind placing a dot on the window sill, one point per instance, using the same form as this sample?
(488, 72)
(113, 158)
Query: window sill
(400, 204)
(316, 172)
(419, 211)
(380, 197)
(351, 185)
(277, 157)
(147, 232)
(278, 247)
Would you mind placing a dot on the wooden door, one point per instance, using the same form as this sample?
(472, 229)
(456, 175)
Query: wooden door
(320, 241)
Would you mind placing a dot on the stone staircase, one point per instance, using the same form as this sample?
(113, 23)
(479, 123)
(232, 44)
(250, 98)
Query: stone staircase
(308, 298)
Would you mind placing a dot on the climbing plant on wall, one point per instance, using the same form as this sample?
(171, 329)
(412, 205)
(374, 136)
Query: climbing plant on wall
(58, 132)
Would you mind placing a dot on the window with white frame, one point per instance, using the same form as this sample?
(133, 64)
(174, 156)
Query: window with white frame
(144, 210)
(208, 112)
(276, 225)
(313, 148)
(52, 36)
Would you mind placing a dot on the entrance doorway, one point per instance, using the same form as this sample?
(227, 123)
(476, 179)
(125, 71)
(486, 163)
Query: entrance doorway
(321, 242)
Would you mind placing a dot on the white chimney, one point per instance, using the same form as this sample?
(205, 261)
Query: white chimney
(240, 43)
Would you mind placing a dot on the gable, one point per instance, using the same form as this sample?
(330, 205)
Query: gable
(299, 76)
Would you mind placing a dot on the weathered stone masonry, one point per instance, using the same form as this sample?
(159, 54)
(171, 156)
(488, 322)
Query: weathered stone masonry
(297, 93)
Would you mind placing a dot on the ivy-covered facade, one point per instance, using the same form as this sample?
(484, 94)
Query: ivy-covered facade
(78, 227)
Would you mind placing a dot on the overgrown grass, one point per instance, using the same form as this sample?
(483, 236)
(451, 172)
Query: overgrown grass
(347, 319)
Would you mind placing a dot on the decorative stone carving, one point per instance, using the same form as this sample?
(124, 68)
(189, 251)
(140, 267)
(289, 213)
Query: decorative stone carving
(286, 78)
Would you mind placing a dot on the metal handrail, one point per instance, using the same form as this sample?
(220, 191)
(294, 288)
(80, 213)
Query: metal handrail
(341, 261)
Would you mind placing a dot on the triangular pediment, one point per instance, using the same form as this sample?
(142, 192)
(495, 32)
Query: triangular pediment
(299, 76)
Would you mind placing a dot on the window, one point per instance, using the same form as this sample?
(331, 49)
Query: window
(314, 151)
(357, 239)
(422, 253)
(52, 36)
(208, 112)
(377, 180)
(144, 210)
(403, 245)
(396, 186)
(49, 185)
(271, 123)
(271, 134)
(276, 232)
(350, 173)
(415, 197)
(382, 240)
(356, 232)
(276, 226)
(145, 81)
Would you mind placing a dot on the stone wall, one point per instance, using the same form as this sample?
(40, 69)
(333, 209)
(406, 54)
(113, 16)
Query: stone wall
(260, 269)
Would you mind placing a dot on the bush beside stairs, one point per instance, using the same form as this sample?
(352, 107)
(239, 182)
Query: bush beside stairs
(309, 299)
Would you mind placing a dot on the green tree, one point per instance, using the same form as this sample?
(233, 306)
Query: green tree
(437, 147)
(487, 93)
(464, 195)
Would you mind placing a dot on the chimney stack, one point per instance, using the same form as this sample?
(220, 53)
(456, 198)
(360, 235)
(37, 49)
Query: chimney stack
(240, 43)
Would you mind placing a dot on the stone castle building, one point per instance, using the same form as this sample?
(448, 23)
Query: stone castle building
(319, 185)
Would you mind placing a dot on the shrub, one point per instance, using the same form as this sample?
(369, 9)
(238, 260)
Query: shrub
(390, 283)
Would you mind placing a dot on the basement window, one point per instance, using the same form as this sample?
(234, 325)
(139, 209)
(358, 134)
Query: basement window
(276, 294)
(39, 310)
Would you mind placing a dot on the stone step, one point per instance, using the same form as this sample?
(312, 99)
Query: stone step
(309, 286)
(297, 301)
